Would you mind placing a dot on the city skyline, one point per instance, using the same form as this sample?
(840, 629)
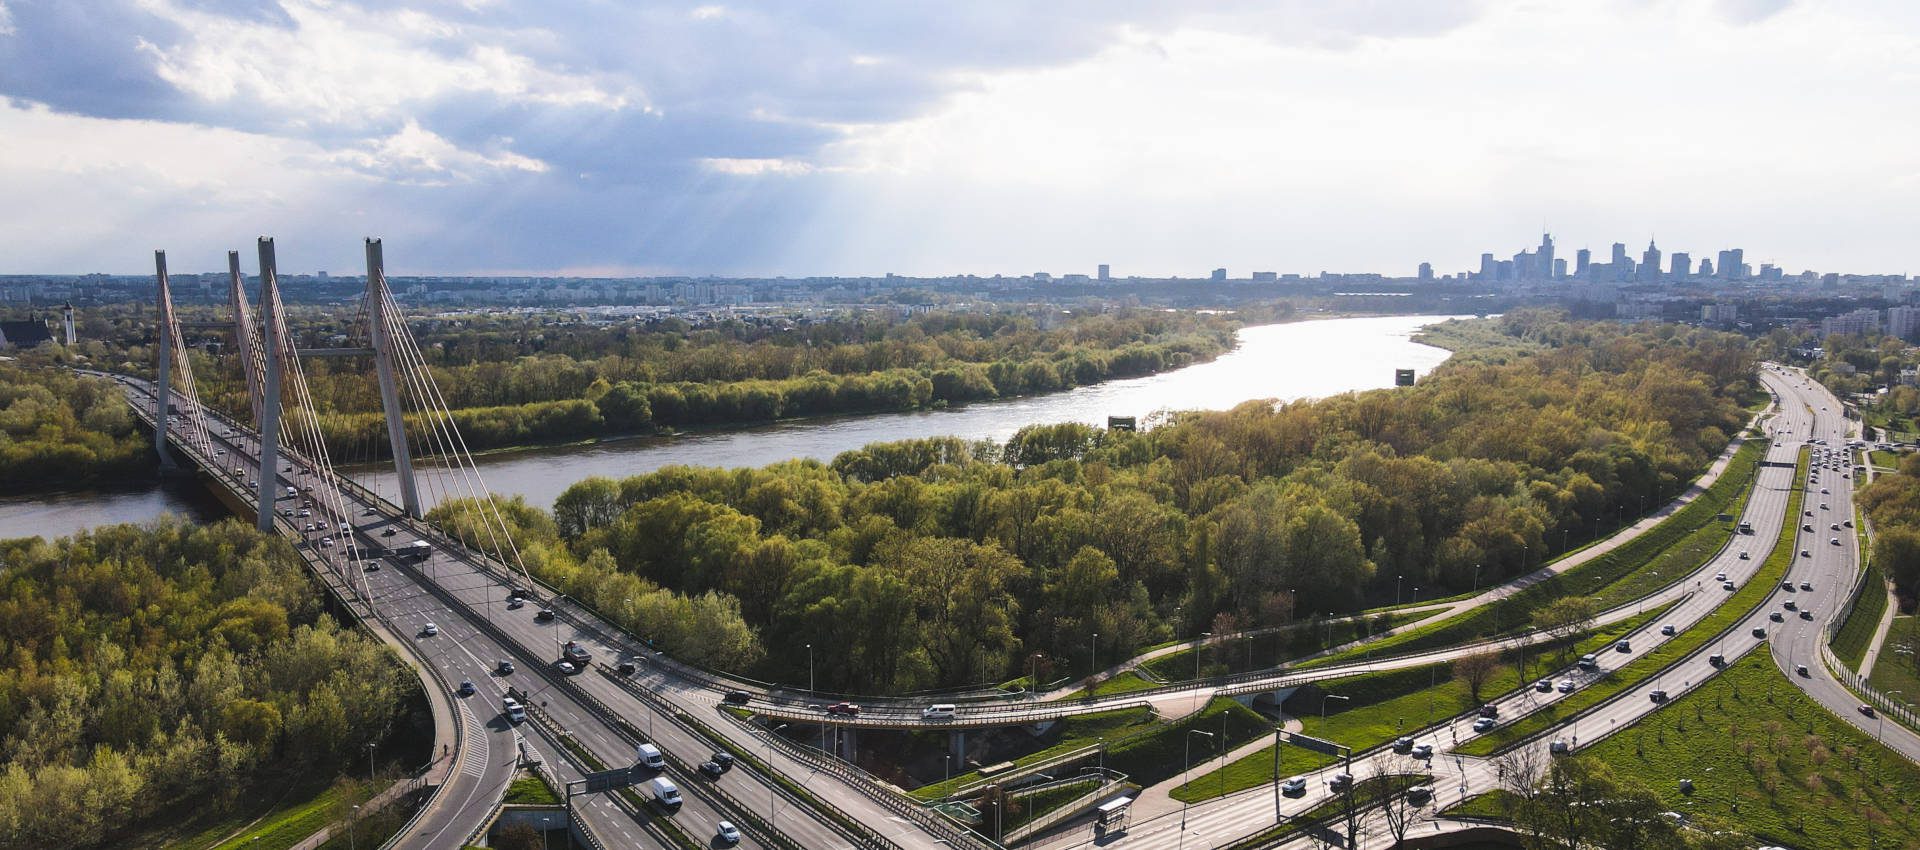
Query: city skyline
(742, 139)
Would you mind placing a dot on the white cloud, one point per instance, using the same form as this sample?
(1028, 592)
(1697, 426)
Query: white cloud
(740, 167)
(356, 67)
(6, 20)
(415, 155)
(708, 13)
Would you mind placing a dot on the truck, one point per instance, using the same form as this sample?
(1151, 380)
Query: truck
(665, 794)
(418, 550)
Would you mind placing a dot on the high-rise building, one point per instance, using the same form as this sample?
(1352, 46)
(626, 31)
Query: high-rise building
(1581, 260)
(1903, 321)
(1105, 272)
(1735, 268)
(1720, 314)
(1861, 321)
(1426, 271)
(1706, 267)
(1560, 267)
(1681, 265)
(1650, 262)
(1219, 274)
(1488, 269)
(1545, 260)
(1619, 259)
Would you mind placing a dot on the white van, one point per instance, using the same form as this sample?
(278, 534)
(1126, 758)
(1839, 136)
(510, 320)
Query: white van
(939, 711)
(650, 756)
(515, 712)
(665, 793)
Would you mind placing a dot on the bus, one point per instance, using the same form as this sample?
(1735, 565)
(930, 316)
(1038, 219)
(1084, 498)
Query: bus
(1112, 814)
(418, 550)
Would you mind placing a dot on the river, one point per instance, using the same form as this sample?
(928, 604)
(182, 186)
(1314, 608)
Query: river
(1294, 360)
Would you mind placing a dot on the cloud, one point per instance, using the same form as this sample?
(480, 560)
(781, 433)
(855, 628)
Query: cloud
(418, 156)
(6, 20)
(1750, 11)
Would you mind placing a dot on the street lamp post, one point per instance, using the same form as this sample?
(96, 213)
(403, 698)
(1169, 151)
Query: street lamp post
(1476, 578)
(1184, 770)
(352, 825)
(810, 687)
(1093, 657)
(1396, 589)
(370, 747)
(556, 622)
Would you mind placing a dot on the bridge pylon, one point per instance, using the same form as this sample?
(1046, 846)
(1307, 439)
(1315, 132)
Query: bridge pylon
(379, 335)
(163, 367)
(268, 492)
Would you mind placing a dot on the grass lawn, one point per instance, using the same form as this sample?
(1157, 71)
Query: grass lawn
(1750, 596)
(1898, 668)
(1850, 643)
(530, 790)
(1023, 808)
(1270, 650)
(1161, 754)
(1677, 545)
(1764, 756)
(1075, 732)
(280, 821)
(1124, 683)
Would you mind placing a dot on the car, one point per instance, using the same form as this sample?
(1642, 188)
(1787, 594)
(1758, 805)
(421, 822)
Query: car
(430, 630)
(1806, 585)
(1823, 506)
(1866, 710)
(1806, 613)
(1489, 710)
(1403, 745)
(1833, 541)
(1760, 632)
(389, 532)
(322, 525)
(305, 513)
(727, 833)
(1824, 492)
(711, 769)
(326, 543)
(309, 528)
(1790, 605)
(1668, 630)
(543, 615)
(1558, 747)
(286, 512)
(845, 708)
(1722, 576)
(1566, 686)
(369, 512)
(1622, 645)
(1484, 724)
(737, 697)
(1744, 557)
(1717, 660)
(251, 484)
(1340, 783)
(1805, 554)
(1589, 661)
(565, 667)
(724, 760)
(1807, 527)
(1787, 586)
(466, 688)
(1847, 522)
(1295, 787)
(1420, 795)
(516, 713)
(516, 604)
(1423, 752)
(372, 566)
(1801, 671)
(1657, 695)
(627, 666)
(1544, 686)
(1776, 616)
(504, 668)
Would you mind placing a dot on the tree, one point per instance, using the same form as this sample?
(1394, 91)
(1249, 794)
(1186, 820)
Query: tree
(518, 835)
(1387, 785)
(1564, 618)
(1476, 670)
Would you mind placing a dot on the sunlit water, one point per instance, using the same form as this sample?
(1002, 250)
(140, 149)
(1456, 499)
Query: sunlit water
(1286, 361)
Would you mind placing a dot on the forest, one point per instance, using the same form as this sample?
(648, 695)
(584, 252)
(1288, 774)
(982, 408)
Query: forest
(156, 673)
(60, 430)
(939, 562)
(1892, 504)
(515, 379)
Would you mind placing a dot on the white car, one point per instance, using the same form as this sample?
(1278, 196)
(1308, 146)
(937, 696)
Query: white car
(1422, 752)
(1484, 724)
(1295, 787)
(728, 833)
(430, 630)
(1566, 686)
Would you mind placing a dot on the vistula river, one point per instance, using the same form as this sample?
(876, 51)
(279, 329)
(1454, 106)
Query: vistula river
(1307, 359)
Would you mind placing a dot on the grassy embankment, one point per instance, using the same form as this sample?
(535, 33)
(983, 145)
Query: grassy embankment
(1744, 601)
(1675, 546)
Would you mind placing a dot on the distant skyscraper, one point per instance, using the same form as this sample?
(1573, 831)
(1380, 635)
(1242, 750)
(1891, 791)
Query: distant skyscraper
(1736, 265)
(1581, 260)
(1545, 261)
(1619, 259)
(1650, 262)
(1706, 267)
(1219, 274)
(1488, 269)
(1105, 272)
(1903, 321)
(1560, 268)
(1682, 264)
(1426, 271)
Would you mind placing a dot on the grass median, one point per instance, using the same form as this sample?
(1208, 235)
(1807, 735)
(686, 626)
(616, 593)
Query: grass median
(1850, 643)
(1675, 546)
(1743, 602)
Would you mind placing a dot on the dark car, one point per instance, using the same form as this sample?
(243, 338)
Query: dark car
(846, 708)
(505, 668)
(724, 760)
(712, 769)
(544, 615)
(626, 667)
(516, 603)
(466, 688)
(1490, 710)
(738, 697)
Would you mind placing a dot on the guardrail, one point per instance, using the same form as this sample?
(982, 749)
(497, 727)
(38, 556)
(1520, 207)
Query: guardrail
(1064, 812)
(872, 788)
(1859, 685)
(1025, 770)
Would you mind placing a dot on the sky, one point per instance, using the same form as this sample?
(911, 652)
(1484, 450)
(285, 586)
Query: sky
(626, 137)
